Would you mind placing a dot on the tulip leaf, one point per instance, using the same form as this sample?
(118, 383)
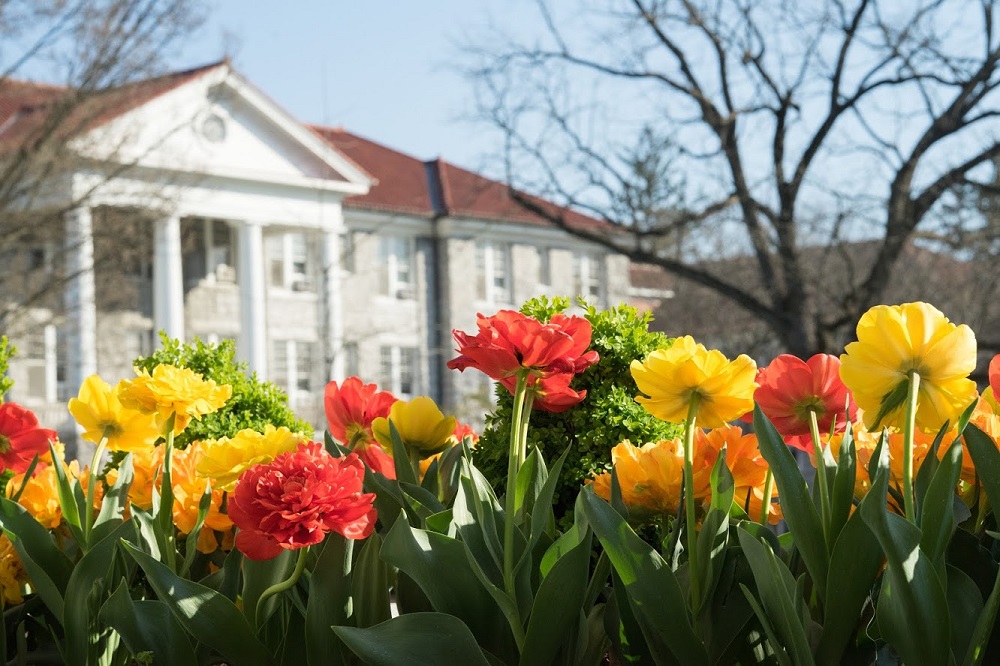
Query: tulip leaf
(912, 610)
(937, 515)
(370, 585)
(985, 455)
(207, 616)
(114, 502)
(67, 498)
(147, 626)
(984, 627)
(475, 516)
(191, 541)
(842, 496)
(778, 594)
(416, 639)
(765, 622)
(541, 512)
(400, 457)
(714, 534)
(854, 566)
(46, 565)
(258, 575)
(426, 557)
(965, 605)
(650, 587)
(797, 506)
(90, 577)
(329, 600)
(927, 470)
(555, 612)
(530, 479)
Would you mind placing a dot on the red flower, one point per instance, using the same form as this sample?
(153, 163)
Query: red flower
(994, 374)
(350, 410)
(462, 430)
(21, 438)
(293, 501)
(552, 393)
(790, 388)
(509, 341)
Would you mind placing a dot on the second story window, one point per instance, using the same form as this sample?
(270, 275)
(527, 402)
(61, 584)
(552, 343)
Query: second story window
(493, 280)
(396, 257)
(288, 261)
(588, 276)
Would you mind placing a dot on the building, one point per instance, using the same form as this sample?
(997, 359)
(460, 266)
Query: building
(323, 254)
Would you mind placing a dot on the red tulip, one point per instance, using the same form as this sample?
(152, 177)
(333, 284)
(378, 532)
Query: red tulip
(350, 409)
(21, 438)
(994, 374)
(296, 499)
(790, 388)
(552, 393)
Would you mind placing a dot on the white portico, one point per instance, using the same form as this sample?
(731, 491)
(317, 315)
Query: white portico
(243, 208)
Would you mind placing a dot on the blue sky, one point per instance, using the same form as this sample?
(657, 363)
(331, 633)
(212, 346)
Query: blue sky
(382, 70)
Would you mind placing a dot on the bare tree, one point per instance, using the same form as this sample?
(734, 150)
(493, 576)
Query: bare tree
(100, 54)
(797, 126)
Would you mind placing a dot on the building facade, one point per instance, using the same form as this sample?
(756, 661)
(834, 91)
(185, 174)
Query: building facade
(321, 253)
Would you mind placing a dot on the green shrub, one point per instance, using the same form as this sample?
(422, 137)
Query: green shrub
(254, 403)
(7, 352)
(608, 415)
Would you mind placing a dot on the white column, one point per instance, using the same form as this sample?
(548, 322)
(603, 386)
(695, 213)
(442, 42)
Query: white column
(80, 298)
(253, 331)
(168, 279)
(333, 302)
(51, 364)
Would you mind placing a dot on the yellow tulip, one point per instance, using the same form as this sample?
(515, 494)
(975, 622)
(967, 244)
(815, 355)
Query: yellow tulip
(421, 425)
(895, 341)
(674, 377)
(225, 459)
(100, 413)
(171, 391)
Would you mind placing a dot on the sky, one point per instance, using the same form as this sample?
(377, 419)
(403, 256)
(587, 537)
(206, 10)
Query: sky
(386, 71)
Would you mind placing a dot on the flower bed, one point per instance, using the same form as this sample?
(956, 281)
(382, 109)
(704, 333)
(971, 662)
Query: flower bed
(259, 545)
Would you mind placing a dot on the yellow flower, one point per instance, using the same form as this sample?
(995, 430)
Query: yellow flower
(100, 413)
(12, 573)
(188, 487)
(420, 424)
(894, 341)
(649, 476)
(227, 458)
(673, 377)
(173, 391)
(145, 466)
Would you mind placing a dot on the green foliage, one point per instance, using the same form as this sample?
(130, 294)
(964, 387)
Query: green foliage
(254, 403)
(608, 415)
(7, 352)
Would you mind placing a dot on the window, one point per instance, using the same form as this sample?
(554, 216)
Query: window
(219, 250)
(587, 274)
(351, 364)
(396, 255)
(37, 350)
(288, 261)
(291, 366)
(493, 272)
(544, 266)
(398, 371)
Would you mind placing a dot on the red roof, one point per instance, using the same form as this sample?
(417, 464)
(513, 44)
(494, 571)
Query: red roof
(405, 184)
(25, 105)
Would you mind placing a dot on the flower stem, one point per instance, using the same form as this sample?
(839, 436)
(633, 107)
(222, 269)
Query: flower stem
(277, 588)
(824, 491)
(165, 518)
(88, 511)
(510, 498)
(765, 505)
(908, 428)
(522, 444)
(692, 540)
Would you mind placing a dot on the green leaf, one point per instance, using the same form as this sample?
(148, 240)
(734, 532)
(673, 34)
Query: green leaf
(541, 513)
(557, 606)
(370, 585)
(258, 575)
(417, 639)
(206, 615)
(778, 595)
(114, 502)
(984, 627)
(47, 566)
(430, 558)
(714, 534)
(928, 468)
(779, 651)
(476, 516)
(842, 495)
(147, 626)
(329, 600)
(965, 606)
(400, 457)
(191, 542)
(912, 610)
(937, 515)
(986, 457)
(530, 479)
(90, 577)
(854, 566)
(650, 587)
(797, 506)
(67, 498)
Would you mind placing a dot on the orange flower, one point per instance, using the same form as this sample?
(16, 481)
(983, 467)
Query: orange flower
(188, 489)
(145, 465)
(746, 464)
(649, 477)
(12, 574)
(41, 494)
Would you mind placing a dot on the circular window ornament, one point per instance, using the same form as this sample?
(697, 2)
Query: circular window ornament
(213, 128)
